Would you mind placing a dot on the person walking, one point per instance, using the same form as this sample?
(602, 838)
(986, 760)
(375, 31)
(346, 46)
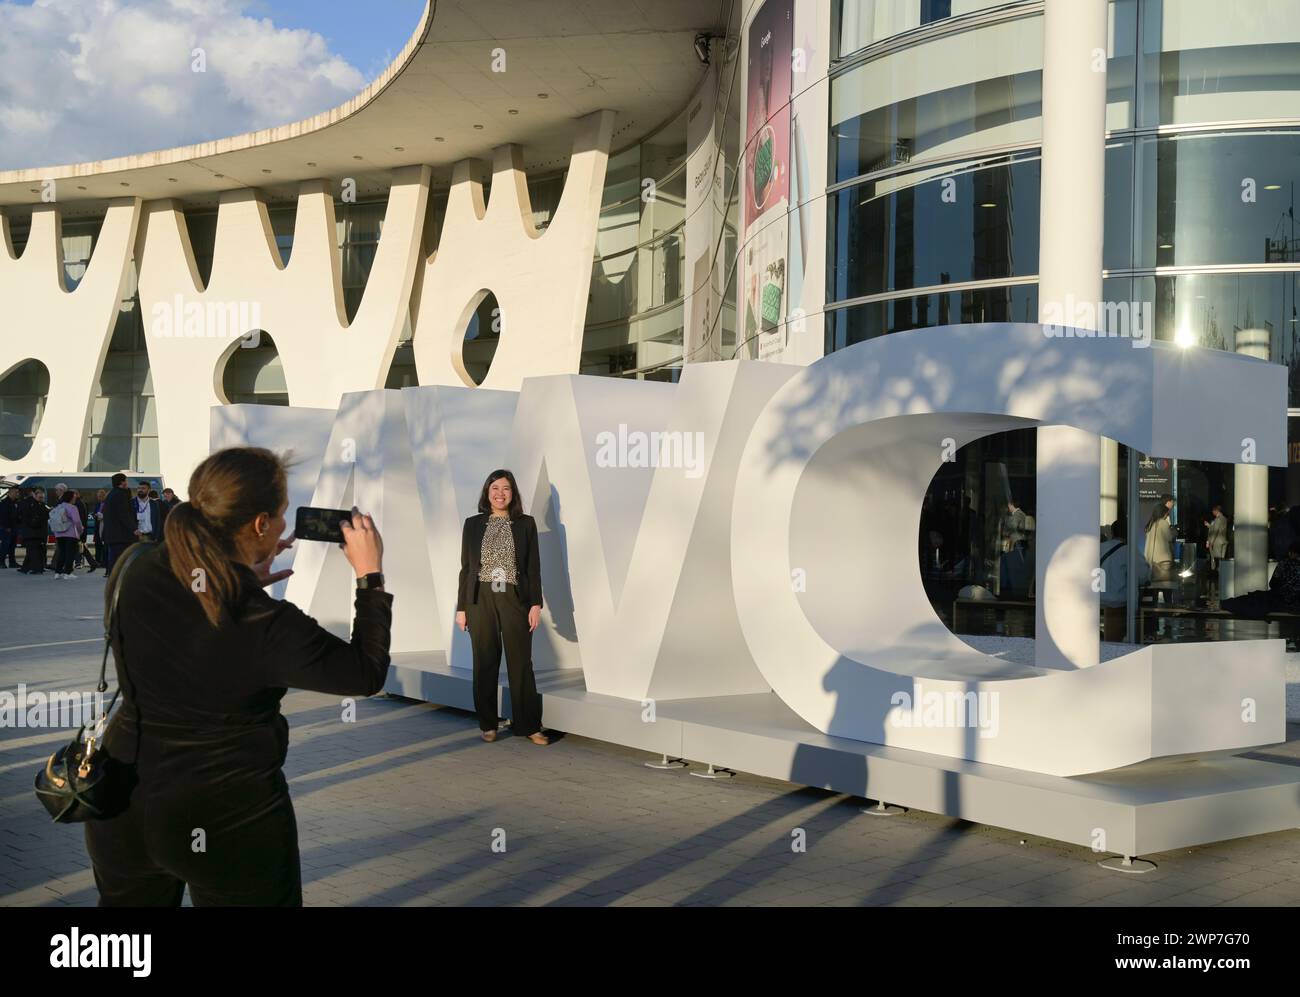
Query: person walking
(65, 524)
(119, 522)
(499, 601)
(36, 520)
(83, 548)
(83, 512)
(101, 549)
(1159, 547)
(9, 528)
(205, 743)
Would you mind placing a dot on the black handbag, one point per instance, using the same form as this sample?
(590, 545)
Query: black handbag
(80, 781)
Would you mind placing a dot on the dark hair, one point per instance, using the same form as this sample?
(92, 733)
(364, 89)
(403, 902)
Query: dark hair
(153, 494)
(117, 479)
(227, 491)
(1159, 512)
(516, 504)
(68, 496)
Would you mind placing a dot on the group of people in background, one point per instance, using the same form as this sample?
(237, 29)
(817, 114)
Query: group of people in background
(112, 521)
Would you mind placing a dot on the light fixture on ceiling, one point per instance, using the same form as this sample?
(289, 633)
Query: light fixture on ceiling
(989, 204)
(702, 48)
(543, 96)
(513, 110)
(1166, 245)
(478, 127)
(1272, 186)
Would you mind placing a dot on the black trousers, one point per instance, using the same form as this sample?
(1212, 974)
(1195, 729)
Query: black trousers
(500, 620)
(229, 834)
(115, 550)
(65, 552)
(34, 562)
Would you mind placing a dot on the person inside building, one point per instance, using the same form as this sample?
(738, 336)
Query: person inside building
(1114, 592)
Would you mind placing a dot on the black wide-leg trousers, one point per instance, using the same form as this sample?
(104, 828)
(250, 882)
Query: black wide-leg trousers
(500, 620)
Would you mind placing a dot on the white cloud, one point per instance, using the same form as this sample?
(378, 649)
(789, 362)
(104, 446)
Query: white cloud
(92, 80)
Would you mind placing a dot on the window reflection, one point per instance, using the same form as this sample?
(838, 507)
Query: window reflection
(977, 224)
(846, 326)
(1219, 60)
(1218, 198)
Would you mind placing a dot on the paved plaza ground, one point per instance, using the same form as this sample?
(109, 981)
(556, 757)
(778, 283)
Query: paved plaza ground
(402, 808)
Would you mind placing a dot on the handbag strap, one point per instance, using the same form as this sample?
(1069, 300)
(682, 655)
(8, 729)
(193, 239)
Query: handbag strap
(110, 621)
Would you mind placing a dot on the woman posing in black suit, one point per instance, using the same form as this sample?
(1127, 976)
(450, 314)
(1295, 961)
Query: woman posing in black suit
(499, 601)
(204, 656)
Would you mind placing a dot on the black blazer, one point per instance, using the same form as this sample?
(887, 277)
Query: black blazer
(528, 563)
(119, 516)
(203, 703)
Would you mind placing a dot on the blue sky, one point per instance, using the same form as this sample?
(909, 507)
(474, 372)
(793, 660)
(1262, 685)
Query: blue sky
(93, 79)
(368, 35)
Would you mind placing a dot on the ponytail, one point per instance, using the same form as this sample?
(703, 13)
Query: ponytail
(191, 543)
(227, 491)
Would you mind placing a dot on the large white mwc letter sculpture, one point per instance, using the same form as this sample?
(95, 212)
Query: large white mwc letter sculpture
(753, 528)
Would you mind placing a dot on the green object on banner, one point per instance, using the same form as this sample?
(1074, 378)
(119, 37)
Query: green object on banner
(771, 304)
(763, 164)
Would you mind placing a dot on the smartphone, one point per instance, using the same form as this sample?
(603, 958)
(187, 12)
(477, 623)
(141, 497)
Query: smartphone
(320, 524)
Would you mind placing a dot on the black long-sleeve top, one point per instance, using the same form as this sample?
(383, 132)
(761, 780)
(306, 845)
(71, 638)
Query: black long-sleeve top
(188, 684)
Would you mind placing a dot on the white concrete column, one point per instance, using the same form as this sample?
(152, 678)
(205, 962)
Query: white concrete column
(1069, 285)
(1250, 497)
(1109, 481)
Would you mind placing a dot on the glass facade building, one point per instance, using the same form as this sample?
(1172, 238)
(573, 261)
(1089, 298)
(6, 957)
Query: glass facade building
(934, 216)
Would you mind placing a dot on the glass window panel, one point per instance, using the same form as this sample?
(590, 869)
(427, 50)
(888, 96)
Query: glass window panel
(1219, 60)
(147, 455)
(846, 326)
(110, 415)
(884, 233)
(1117, 211)
(864, 22)
(1217, 198)
(146, 416)
(974, 90)
(110, 453)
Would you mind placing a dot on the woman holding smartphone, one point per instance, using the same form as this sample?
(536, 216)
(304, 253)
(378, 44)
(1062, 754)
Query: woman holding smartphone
(203, 656)
(499, 601)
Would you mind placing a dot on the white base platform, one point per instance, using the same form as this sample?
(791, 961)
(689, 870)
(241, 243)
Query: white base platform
(1142, 809)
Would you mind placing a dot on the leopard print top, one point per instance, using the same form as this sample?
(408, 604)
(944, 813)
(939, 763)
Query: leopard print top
(497, 558)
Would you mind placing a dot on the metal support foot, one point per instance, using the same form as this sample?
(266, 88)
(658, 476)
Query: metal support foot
(1126, 863)
(715, 773)
(883, 809)
(667, 763)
